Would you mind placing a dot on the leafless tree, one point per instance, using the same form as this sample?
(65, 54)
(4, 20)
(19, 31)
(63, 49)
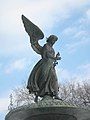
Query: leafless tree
(72, 93)
(21, 96)
(76, 94)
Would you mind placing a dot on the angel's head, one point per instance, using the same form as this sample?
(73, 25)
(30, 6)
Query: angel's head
(52, 39)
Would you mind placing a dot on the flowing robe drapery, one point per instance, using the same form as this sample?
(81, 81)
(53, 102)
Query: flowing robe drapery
(43, 79)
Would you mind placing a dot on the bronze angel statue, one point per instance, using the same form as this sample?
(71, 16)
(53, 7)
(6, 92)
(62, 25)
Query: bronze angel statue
(43, 79)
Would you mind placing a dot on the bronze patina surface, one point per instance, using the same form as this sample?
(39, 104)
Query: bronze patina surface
(43, 79)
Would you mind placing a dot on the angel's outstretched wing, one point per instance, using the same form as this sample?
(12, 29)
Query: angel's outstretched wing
(35, 34)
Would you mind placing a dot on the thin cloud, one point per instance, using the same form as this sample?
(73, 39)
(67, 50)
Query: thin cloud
(81, 34)
(69, 31)
(0, 65)
(10, 46)
(18, 65)
(4, 102)
(63, 74)
(88, 14)
(75, 46)
(77, 38)
(43, 13)
(85, 68)
(81, 75)
(85, 20)
(47, 9)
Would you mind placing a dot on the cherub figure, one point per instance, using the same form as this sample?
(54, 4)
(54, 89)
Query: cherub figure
(43, 79)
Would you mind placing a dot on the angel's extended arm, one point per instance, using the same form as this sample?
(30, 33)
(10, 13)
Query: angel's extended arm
(36, 47)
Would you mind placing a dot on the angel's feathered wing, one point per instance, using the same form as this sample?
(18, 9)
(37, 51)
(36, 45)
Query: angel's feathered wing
(35, 34)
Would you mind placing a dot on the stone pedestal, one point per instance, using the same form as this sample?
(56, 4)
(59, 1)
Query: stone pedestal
(48, 109)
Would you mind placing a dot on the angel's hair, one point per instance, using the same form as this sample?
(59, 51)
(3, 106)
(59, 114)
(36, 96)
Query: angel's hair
(52, 37)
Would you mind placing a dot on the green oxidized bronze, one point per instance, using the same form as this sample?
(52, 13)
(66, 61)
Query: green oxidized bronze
(43, 79)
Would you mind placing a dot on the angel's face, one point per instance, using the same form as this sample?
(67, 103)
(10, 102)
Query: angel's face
(53, 42)
(54, 39)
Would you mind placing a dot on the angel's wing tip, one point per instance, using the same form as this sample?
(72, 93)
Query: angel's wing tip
(22, 16)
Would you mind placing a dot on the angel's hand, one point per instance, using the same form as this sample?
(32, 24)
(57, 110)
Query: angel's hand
(58, 54)
(58, 58)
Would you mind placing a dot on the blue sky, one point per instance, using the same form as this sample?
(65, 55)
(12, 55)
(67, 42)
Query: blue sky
(68, 19)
